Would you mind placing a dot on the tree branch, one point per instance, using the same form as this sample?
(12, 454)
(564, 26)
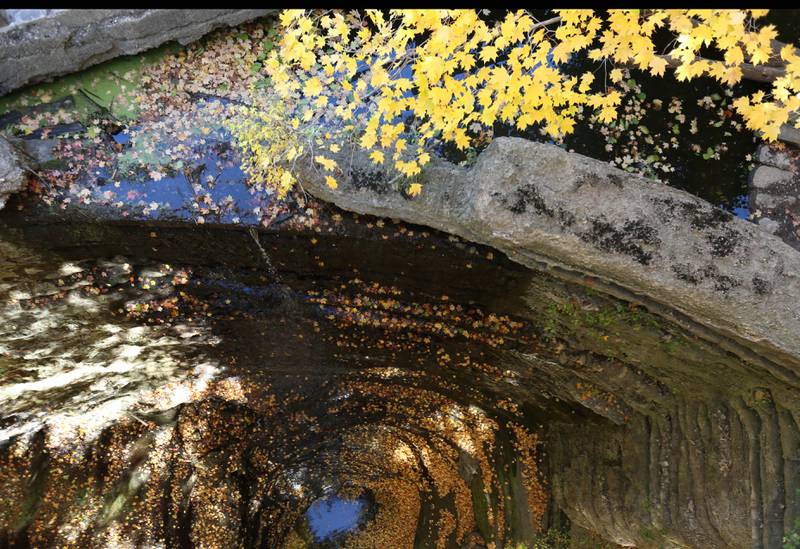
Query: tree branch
(546, 22)
(757, 73)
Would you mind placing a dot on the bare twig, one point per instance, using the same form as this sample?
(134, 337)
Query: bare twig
(267, 263)
(137, 418)
(115, 73)
(98, 103)
(34, 172)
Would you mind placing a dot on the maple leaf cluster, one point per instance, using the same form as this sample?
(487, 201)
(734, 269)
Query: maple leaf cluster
(397, 83)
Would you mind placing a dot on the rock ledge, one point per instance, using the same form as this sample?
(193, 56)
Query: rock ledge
(543, 206)
(71, 40)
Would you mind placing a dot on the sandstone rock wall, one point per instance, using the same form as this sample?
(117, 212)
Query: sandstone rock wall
(687, 445)
(705, 474)
(691, 445)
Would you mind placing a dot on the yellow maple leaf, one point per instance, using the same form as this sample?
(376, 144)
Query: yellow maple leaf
(657, 66)
(328, 163)
(586, 82)
(488, 53)
(407, 168)
(432, 66)
(734, 56)
(313, 87)
(287, 180)
(379, 77)
(331, 182)
(377, 157)
(305, 24)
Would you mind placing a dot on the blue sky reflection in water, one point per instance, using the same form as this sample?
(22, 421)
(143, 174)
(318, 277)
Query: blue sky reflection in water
(331, 516)
(741, 207)
(218, 193)
(225, 199)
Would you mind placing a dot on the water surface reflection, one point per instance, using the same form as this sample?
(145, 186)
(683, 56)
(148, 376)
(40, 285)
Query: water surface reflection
(162, 387)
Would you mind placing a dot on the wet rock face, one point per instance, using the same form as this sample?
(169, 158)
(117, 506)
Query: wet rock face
(706, 474)
(697, 448)
(71, 40)
(544, 206)
(12, 176)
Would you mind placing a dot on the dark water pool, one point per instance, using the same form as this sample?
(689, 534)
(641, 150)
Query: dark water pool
(159, 386)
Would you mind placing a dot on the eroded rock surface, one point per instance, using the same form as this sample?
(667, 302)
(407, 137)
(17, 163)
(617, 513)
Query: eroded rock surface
(698, 449)
(650, 434)
(546, 207)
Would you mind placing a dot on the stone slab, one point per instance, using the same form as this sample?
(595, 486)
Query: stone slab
(71, 40)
